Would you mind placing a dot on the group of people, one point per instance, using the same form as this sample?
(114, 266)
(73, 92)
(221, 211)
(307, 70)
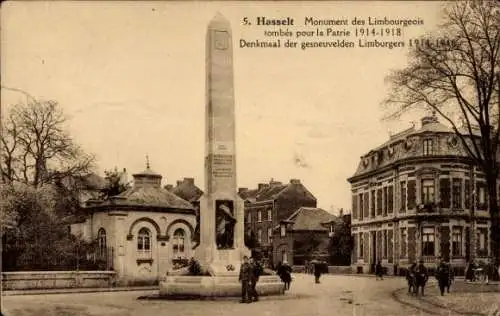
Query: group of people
(250, 272)
(418, 275)
(487, 270)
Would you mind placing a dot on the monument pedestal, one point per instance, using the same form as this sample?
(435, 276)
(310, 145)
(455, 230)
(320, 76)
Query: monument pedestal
(216, 286)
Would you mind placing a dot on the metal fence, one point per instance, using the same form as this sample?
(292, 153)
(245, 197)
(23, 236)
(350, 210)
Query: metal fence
(91, 259)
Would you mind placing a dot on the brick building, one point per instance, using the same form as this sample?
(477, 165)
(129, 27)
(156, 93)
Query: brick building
(413, 198)
(268, 205)
(304, 235)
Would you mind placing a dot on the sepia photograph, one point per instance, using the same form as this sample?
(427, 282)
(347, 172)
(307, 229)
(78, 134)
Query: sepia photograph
(250, 157)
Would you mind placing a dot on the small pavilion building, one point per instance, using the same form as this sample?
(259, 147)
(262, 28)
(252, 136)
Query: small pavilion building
(143, 231)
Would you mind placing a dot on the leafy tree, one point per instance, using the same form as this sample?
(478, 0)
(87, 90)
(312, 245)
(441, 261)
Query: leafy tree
(39, 239)
(308, 244)
(37, 149)
(251, 241)
(460, 81)
(341, 244)
(115, 184)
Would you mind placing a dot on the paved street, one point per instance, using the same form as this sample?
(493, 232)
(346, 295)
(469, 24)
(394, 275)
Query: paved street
(336, 295)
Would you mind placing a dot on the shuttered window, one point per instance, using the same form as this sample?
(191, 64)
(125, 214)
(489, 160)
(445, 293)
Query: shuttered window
(444, 188)
(412, 192)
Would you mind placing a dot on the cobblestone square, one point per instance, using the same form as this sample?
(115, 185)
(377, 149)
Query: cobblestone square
(335, 295)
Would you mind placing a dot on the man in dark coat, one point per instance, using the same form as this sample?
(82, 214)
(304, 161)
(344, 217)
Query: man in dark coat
(443, 276)
(319, 268)
(255, 272)
(285, 273)
(244, 278)
(421, 276)
(411, 278)
(379, 270)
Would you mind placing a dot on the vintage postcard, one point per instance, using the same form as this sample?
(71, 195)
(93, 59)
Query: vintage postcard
(242, 157)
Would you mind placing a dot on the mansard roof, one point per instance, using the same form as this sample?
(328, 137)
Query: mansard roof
(409, 144)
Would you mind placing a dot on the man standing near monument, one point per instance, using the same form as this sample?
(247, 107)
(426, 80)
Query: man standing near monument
(245, 274)
(255, 272)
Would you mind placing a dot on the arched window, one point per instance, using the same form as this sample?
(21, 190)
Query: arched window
(178, 242)
(101, 240)
(144, 240)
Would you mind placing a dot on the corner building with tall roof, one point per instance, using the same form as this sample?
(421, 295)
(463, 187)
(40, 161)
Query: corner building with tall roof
(419, 196)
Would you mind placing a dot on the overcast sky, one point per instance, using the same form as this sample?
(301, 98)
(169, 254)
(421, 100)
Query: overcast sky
(131, 77)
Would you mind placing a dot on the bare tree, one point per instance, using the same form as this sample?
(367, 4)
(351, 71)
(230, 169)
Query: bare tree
(36, 147)
(455, 72)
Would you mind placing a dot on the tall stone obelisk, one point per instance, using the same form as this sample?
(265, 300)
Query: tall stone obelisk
(221, 245)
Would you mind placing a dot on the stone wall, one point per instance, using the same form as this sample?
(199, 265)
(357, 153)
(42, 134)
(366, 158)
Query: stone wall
(56, 280)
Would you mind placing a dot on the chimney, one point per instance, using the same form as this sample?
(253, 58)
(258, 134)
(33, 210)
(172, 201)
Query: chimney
(294, 181)
(189, 180)
(241, 190)
(429, 119)
(261, 186)
(179, 182)
(341, 212)
(169, 187)
(275, 183)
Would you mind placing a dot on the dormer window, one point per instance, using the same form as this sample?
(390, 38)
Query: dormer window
(428, 147)
(283, 230)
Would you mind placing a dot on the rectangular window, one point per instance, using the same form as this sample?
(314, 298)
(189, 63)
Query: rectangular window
(481, 240)
(386, 244)
(390, 199)
(360, 205)
(402, 243)
(249, 217)
(481, 196)
(385, 199)
(428, 147)
(467, 194)
(444, 190)
(379, 202)
(403, 196)
(428, 241)
(259, 234)
(259, 216)
(270, 215)
(366, 204)
(361, 242)
(355, 206)
(427, 191)
(412, 193)
(372, 200)
(457, 241)
(269, 235)
(457, 193)
(283, 230)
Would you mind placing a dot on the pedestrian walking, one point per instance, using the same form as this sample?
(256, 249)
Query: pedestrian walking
(255, 272)
(318, 270)
(285, 274)
(244, 278)
(443, 276)
(379, 273)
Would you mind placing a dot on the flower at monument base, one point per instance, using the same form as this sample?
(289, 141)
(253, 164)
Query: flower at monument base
(230, 267)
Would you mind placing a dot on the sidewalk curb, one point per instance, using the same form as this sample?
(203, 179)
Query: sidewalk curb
(77, 290)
